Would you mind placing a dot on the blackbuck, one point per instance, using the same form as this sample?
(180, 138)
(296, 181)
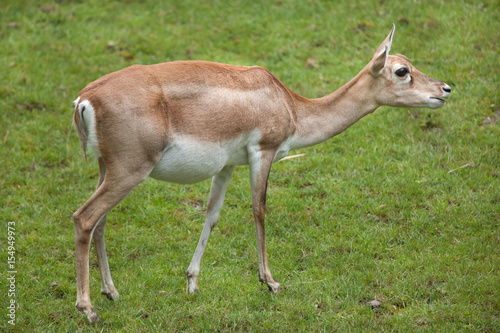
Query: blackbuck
(187, 121)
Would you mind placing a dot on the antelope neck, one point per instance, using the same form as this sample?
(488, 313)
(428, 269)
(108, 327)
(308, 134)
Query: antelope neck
(323, 118)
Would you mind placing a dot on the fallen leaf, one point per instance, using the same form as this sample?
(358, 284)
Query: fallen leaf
(374, 303)
(48, 9)
(311, 63)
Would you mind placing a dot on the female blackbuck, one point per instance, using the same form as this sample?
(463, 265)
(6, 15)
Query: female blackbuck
(187, 121)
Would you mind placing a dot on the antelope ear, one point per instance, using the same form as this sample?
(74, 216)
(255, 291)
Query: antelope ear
(380, 58)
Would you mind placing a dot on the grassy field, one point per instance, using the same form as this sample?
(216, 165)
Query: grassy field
(404, 207)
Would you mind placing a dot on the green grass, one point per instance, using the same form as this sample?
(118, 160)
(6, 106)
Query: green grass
(403, 207)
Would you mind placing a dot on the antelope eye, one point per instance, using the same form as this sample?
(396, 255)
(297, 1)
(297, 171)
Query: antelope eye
(402, 72)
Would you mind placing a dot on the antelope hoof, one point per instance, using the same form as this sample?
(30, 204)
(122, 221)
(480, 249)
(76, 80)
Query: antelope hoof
(274, 287)
(112, 296)
(194, 291)
(92, 317)
(192, 283)
(192, 286)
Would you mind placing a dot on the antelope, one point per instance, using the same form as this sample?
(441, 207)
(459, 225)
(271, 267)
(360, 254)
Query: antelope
(187, 121)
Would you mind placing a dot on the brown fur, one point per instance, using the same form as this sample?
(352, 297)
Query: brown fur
(172, 99)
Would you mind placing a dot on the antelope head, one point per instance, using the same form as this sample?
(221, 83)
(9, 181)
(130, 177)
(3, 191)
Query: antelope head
(402, 85)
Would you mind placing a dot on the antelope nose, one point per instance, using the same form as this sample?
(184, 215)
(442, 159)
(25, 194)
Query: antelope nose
(447, 88)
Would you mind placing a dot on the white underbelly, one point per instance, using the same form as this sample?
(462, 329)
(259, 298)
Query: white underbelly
(187, 161)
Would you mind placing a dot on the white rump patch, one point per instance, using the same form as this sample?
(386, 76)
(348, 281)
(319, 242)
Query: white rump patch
(75, 103)
(87, 115)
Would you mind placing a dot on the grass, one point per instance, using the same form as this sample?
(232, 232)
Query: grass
(404, 207)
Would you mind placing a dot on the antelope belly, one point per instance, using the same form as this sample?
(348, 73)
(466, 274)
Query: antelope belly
(189, 162)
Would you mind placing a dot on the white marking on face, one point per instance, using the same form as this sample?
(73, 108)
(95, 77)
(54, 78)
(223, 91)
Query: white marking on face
(434, 103)
(399, 79)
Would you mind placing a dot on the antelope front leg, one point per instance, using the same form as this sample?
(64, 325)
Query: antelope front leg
(260, 166)
(215, 201)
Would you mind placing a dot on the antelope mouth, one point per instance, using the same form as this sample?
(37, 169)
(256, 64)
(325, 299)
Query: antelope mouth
(440, 99)
(435, 102)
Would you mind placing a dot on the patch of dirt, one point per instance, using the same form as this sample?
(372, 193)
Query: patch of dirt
(492, 119)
